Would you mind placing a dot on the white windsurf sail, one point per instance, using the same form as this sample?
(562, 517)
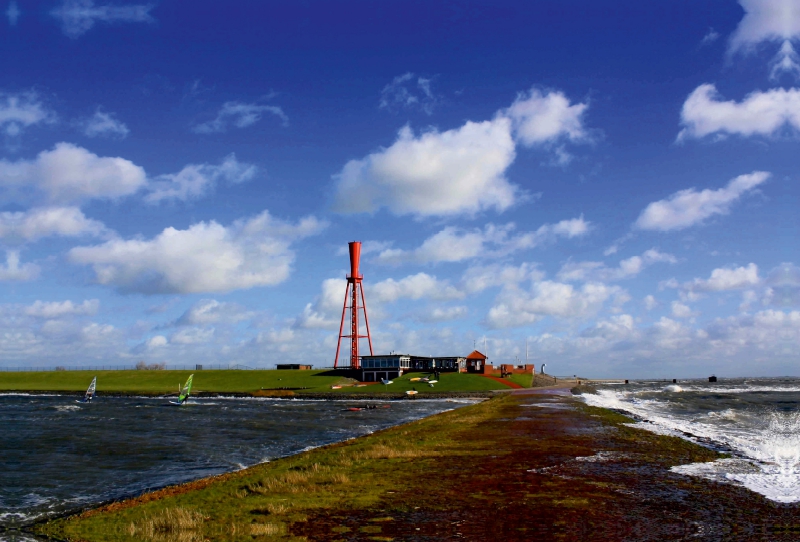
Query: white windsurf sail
(87, 398)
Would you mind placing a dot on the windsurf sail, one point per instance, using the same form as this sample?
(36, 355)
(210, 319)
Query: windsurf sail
(90, 391)
(186, 390)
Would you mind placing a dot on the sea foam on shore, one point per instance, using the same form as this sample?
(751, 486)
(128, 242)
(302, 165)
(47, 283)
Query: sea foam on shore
(756, 420)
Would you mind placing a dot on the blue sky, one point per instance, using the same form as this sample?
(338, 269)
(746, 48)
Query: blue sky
(613, 183)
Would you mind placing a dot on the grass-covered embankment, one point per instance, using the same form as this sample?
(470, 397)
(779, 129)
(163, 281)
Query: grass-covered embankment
(232, 381)
(448, 382)
(512, 468)
(162, 382)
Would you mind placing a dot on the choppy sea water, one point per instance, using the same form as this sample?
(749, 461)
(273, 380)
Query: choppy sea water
(757, 420)
(57, 455)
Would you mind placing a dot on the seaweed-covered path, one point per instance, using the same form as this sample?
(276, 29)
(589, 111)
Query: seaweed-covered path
(531, 465)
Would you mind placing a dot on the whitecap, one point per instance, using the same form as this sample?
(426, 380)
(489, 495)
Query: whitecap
(766, 444)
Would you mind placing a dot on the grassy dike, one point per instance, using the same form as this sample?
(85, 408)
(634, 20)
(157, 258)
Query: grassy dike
(232, 381)
(164, 382)
(516, 467)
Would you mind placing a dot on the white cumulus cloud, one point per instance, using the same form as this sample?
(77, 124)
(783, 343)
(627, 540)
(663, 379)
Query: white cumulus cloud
(157, 342)
(18, 111)
(787, 61)
(78, 16)
(679, 310)
(14, 270)
(688, 207)
(481, 277)
(69, 174)
(60, 309)
(42, 222)
(240, 115)
(543, 118)
(444, 314)
(103, 124)
(195, 180)
(518, 307)
(597, 271)
(419, 286)
(206, 257)
(766, 21)
(435, 173)
(726, 279)
(760, 113)
(192, 335)
(325, 312)
(460, 170)
(211, 311)
(453, 244)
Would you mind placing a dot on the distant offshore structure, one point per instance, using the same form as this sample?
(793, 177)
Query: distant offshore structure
(353, 293)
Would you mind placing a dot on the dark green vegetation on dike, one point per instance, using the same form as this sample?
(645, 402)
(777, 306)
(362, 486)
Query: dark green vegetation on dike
(256, 382)
(517, 467)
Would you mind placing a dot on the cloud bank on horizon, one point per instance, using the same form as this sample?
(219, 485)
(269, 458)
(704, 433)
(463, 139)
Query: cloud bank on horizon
(617, 220)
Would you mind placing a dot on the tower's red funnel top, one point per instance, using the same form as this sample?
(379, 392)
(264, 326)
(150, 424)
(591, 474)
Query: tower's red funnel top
(355, 258)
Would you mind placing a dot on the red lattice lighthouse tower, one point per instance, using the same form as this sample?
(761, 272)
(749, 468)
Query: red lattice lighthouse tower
(352, 294)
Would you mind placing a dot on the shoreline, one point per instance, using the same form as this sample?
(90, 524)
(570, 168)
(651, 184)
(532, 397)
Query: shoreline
(538, 454)
(279, 394)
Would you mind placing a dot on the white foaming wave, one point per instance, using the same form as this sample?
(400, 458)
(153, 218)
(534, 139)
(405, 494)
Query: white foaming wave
(772, 451)
(67, 408)
(740, 389)
(673, 389)
(18, 516)
(654, 428)
(25, 394)
(727, 414)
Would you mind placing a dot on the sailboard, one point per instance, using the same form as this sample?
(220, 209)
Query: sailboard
(90, 391)
(183, 396)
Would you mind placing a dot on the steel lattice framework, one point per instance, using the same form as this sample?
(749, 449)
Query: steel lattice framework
(354, 294)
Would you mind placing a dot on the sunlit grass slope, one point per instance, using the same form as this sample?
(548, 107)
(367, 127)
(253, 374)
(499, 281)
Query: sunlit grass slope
(448, 382)
(166, 381)
(163, 382)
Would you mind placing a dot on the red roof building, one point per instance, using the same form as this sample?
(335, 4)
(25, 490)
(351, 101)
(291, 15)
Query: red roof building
(476, 362)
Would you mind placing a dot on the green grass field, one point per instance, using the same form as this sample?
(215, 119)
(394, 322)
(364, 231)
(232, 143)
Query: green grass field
(448, 382)
(230, 381)
(157, 382)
